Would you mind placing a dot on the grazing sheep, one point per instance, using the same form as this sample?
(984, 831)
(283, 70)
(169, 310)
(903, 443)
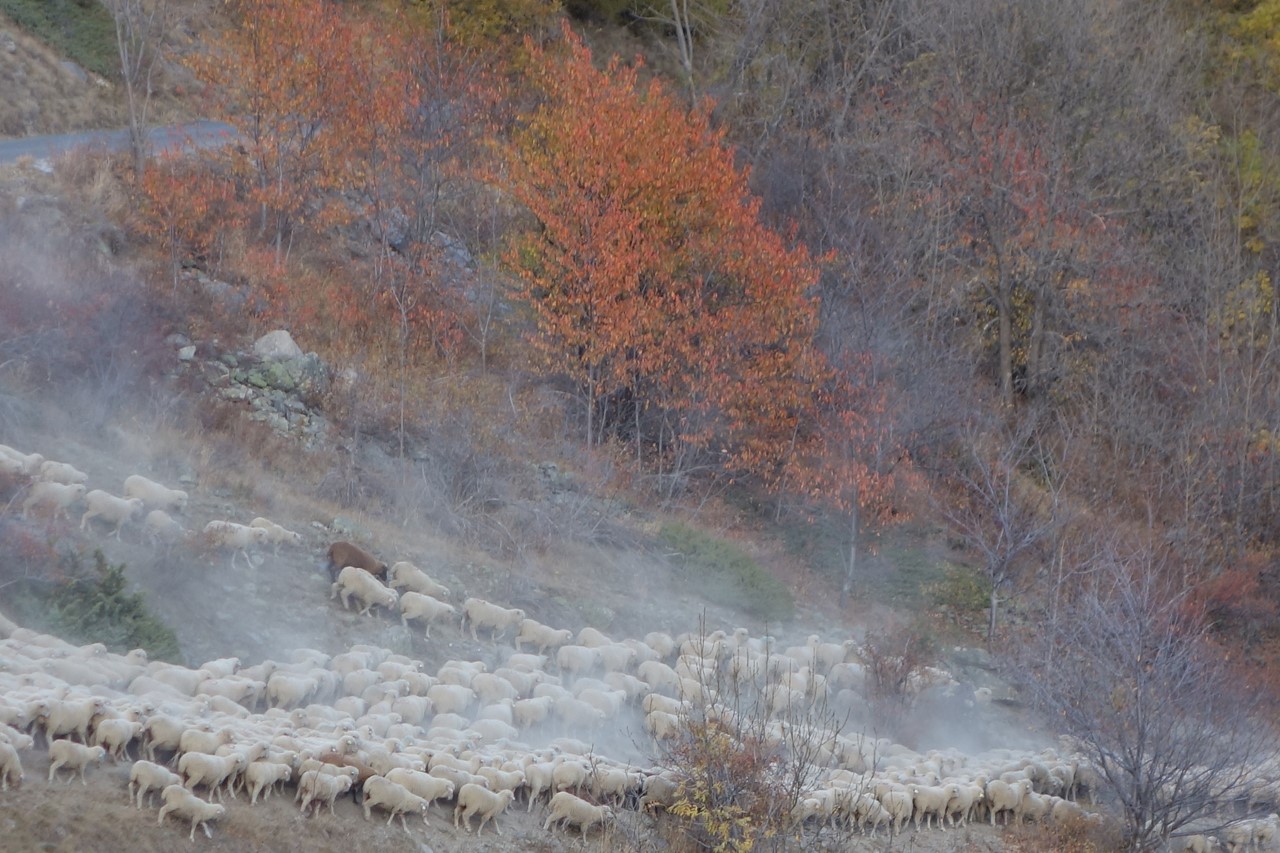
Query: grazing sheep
(181, 803)
(114, 510)
(416, 605)
(61, 472)
(475, 799)
(154, 495)
(567, 809)
(145, 777)
(276, 534)
(542, 636)
(343, 554)
(10, 767)
(56, 495)
(236, 538)
(405, 575)
(481, 613)
(368, 590)
(73, 756)
(262, 776)
(28, 463)
(321, 788)
(393, 798)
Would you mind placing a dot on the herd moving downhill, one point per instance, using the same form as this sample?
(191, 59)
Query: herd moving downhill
(479, 736)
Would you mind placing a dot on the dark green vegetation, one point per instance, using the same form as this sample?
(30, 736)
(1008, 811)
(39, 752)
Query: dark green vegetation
(82, 30)
(720, 571)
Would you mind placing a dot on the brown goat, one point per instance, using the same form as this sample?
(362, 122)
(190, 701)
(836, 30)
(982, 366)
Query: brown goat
(331, 756)
(342, 554)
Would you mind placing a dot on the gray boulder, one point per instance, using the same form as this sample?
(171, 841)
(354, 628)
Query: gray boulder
(277, 346)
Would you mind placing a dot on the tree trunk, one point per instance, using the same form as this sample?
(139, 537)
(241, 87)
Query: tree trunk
(851, 561)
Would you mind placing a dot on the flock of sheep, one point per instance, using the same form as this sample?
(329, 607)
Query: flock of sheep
(483, 735)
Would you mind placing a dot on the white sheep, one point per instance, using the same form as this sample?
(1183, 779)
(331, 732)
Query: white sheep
(285, 690)
(236, 538)
(155, 495)
(146, 776)
(367, 590)
(567, 809)
(319, 787)
(899, 806)
(451, 698)
(405, 575)
(74, 756)
(541, 636)
(930, 802)
(57, 495)
(530, 712)
(393, 798)
(475, 799)
(1199, 844)
(662, 726)
(212, 771)
(183, 804)
(111, 509)
(277, 535)
(159, 528)
(430, 788)
(115, 735)
(1004, 796)
(61, 472)
(28, 463)
(416, 605)
(261, 777)
(10, 767)
(577, 660)
(482, 614)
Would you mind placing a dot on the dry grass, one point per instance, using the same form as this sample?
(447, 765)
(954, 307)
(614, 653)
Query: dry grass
(43, 95)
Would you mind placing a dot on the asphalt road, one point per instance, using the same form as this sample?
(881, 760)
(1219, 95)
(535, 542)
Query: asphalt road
(164, 140)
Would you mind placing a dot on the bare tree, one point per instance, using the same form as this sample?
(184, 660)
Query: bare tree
(141, 29)
(1008, 506)
(1132, 676)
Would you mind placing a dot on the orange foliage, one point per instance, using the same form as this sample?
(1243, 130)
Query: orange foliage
(651, 277)
(184, 207)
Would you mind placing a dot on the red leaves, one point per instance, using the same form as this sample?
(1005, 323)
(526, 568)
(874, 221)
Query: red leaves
(650, 269)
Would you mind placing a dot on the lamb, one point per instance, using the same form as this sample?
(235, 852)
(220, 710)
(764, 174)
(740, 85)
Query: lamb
(276, 534)
(417, 605)
(343, 554)
(394, 798)
(405, 575)
(154, 495)
(567, 809)
(115, 735)
(73, 756)
(145, 777)
(542, 636)
(481, 613)
(56, 495)
(10, 767)
(159, 528)
(213, 771)
(181, 803)
(478, 800)
(237, 538)
(61, 472)
(28, 463)
(367, 589)
(320, 788)
(262, 776)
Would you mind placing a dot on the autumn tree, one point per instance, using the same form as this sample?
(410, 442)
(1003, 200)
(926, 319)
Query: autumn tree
(685, 323)
(1132, 675)
(281, 77)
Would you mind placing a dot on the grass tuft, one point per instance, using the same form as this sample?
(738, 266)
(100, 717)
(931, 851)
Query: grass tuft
(722, 572)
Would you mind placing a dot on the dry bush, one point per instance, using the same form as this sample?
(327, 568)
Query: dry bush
(894, 659)
(1077, 835)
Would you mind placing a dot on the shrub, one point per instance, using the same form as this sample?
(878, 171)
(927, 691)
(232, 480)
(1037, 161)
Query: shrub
(97, 609)
(720, 571)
